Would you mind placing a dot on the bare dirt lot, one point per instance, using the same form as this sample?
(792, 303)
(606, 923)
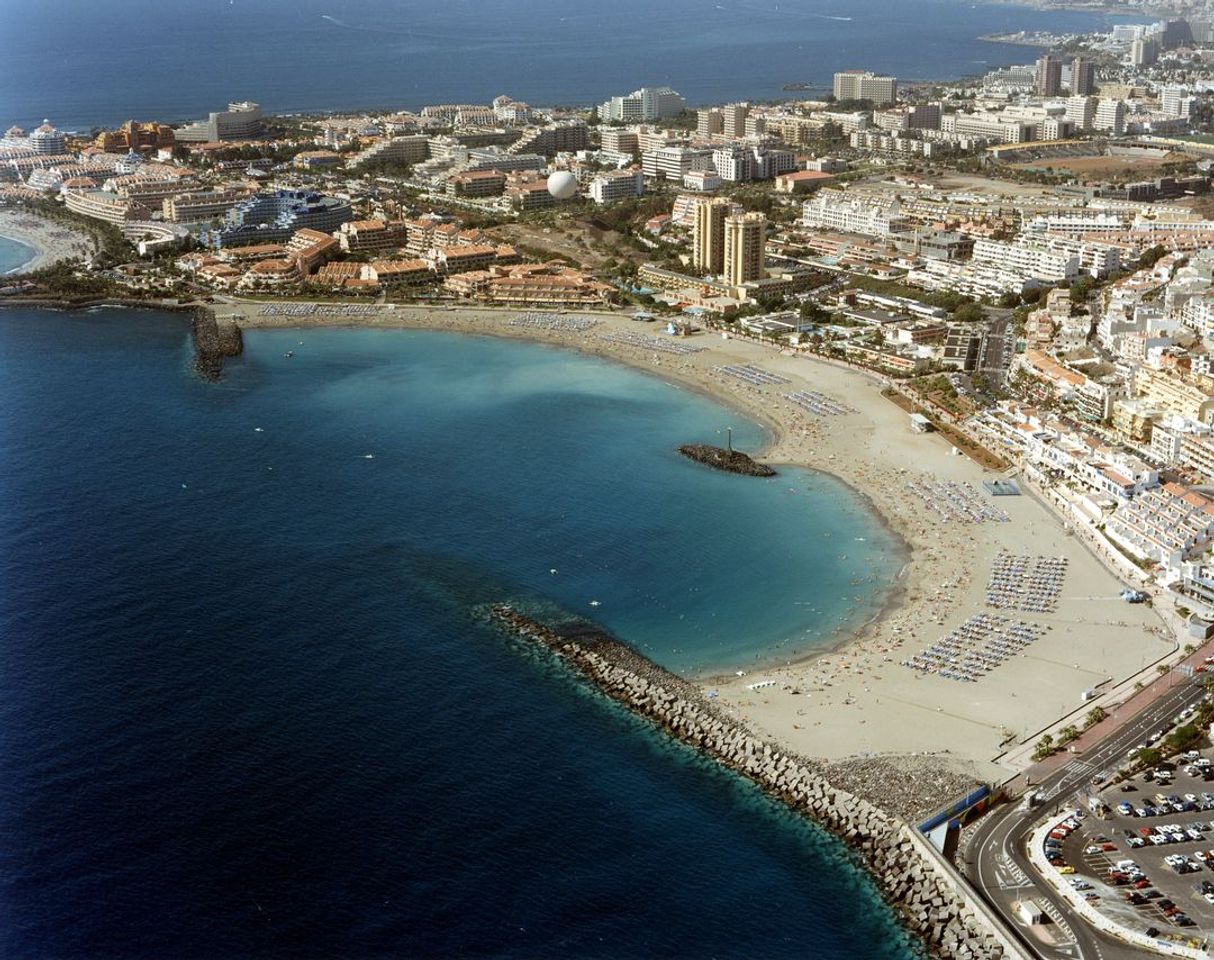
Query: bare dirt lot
(1100, 166)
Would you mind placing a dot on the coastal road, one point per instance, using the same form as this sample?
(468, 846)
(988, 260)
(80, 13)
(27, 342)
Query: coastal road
(996, 860)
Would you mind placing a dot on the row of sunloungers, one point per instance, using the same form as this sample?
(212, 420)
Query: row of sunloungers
(819, 404)
(950, 500)
(318, 309)
(651, 343)
(756, 376)
(553, 321)
(1030, 584)
(975, 647)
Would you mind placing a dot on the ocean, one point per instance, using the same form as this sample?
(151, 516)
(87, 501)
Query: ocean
(248, 709)
(101, 62)
(14, 255)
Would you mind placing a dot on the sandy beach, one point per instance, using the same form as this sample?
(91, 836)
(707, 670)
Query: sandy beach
(52, 242)
(859, 700)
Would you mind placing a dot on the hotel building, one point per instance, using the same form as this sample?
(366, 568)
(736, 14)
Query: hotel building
(863, 85)
(356, 236)
(241, 121)
(411, 149)
(101, 205)
(274, 217)
(477, 183)
(708, 237)
(648, 103)
(395, 273)
(868, 216)
(673, 162)
(745, 242)
(617, 185)
(1027, 259)
(202, 206)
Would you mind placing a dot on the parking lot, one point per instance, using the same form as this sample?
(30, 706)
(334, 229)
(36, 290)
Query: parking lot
(1146, 858)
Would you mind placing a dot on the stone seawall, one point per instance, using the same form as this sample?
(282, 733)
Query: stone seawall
(214, 341)
(934, 906)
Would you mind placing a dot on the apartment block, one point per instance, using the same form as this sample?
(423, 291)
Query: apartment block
(745, 246)
(708, 237)
(863, 85)
(617, 185)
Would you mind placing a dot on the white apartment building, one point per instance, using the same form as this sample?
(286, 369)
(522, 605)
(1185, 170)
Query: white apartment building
(1075, 224)
(969, 278)
(992, 126)
(240, 121)
(863, 85)
(1027, 259)
(1197, 314)
(1176, 102)
(410, 149)
(869, 216)
(738, 163)
(617, 185)
(648, 103)
(1110, 117)
(1022, 79)
(1168, 525)
(1081, 111)
(674, 162)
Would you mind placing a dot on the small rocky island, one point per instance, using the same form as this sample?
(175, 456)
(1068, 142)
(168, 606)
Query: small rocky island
(731, 461)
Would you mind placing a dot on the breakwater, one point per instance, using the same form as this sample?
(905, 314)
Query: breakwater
(214, 341)
(731, 461)
(932, 902)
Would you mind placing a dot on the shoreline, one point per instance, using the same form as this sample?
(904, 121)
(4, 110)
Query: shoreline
(854, 699)
(25, 265)
(852, 705)
(775, 434)
(50, 242)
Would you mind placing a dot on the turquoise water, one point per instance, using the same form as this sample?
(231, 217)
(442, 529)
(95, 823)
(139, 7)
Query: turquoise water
(14, 254)
(248, 711)
(701, 570)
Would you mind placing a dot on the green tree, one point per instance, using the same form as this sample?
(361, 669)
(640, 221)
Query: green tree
(1152, 256)
(1182, 738)
(1095, 715)
(968, 313)
(1082, 288)
(1044, 747)
(1149, 756)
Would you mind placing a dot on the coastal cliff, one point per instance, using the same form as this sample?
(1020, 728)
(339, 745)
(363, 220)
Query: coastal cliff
(731, 461)
(932, 903)
(214, 341)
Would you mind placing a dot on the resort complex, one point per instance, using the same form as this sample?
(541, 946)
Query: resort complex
(986, 305)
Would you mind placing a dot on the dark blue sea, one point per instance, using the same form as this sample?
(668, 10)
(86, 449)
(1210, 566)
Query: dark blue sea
(86, 62)
(246, 710)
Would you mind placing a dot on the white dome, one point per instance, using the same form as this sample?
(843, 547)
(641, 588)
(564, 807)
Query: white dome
(562, 185)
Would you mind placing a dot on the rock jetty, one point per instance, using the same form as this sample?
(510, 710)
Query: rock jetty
(214, 341)
(933, 903)
(731, 461)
